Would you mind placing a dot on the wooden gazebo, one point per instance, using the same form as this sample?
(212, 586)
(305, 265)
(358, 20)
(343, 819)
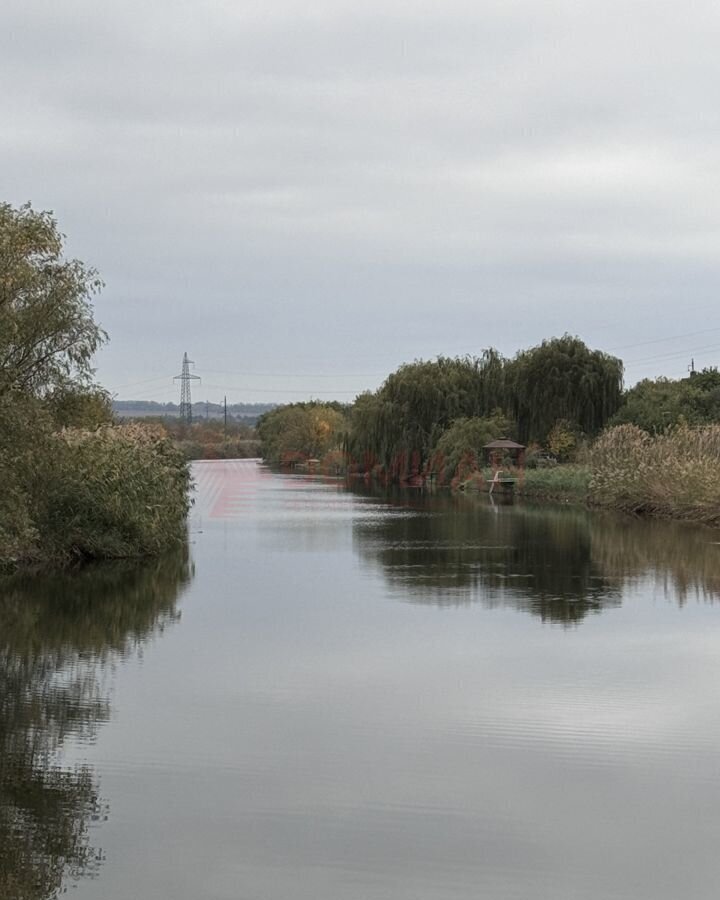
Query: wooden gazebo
(495, 451)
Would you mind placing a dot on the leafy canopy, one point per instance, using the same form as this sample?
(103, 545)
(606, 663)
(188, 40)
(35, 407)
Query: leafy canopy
(562, 379)
(47, 331)
(660, 404)
(400, 424)
(301, 431)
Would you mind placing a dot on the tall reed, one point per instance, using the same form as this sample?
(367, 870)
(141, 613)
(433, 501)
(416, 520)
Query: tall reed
(674, 474)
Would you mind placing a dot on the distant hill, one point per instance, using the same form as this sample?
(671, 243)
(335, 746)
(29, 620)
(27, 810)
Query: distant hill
(140, 409)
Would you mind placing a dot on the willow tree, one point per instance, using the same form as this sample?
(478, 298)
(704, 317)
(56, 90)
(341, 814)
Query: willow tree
(400, 424)
(562, 379)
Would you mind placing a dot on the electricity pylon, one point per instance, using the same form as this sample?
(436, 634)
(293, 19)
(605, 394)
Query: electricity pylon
(185, 377)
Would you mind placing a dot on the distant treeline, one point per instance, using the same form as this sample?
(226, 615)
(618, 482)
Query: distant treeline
(140, 409)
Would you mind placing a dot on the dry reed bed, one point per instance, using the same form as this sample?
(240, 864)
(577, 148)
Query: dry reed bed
(676, 474)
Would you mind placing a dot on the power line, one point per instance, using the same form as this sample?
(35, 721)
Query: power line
(151, 395)
(186, 377)
(672, 354)
(161, 394)
(475, 350)
(296, 374)
(343, 375)
(254, 390)
(145, 381)
(664, 340)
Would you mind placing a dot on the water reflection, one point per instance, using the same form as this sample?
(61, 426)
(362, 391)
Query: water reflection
(57, 636)
(557, 563)
(682, 560)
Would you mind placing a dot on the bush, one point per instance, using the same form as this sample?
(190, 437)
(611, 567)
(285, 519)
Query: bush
(562, 440)
(18, 536)
(120, 491)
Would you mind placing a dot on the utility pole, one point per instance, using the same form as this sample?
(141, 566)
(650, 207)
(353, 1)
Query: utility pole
(225, 405)
(185, 377)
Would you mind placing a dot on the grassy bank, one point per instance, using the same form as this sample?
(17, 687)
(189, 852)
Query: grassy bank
(560, 483)
(564, 482)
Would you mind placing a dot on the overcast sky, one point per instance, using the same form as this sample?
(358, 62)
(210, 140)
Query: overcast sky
(303, 195)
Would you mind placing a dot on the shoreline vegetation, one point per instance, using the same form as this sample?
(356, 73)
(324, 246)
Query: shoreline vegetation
(652, 450)
(208, 438)
(76, 486)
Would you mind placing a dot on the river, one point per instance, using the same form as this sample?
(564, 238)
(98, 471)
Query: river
(345, 695)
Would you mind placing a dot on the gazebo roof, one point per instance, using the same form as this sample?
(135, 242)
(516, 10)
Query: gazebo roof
(503, 445)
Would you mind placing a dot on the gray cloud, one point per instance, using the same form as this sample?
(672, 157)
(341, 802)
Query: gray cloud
(331, 191)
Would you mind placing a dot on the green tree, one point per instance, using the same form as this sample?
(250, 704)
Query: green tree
(74, 406)
(47, 331)
(658, 404)
(655, 405)
(562, 440)
(301, 431)
(562, 379)
(399, 425)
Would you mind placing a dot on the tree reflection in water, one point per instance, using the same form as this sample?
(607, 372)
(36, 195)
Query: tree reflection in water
(558, 563)
(57, 636)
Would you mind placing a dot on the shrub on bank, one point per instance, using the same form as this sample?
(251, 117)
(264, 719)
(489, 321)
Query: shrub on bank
(120, 491)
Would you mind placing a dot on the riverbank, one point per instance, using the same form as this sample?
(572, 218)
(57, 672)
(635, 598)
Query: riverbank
(562, 483)
(675, 475)
(670, 476)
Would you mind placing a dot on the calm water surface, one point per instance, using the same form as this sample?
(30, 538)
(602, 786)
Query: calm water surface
(348, 696)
